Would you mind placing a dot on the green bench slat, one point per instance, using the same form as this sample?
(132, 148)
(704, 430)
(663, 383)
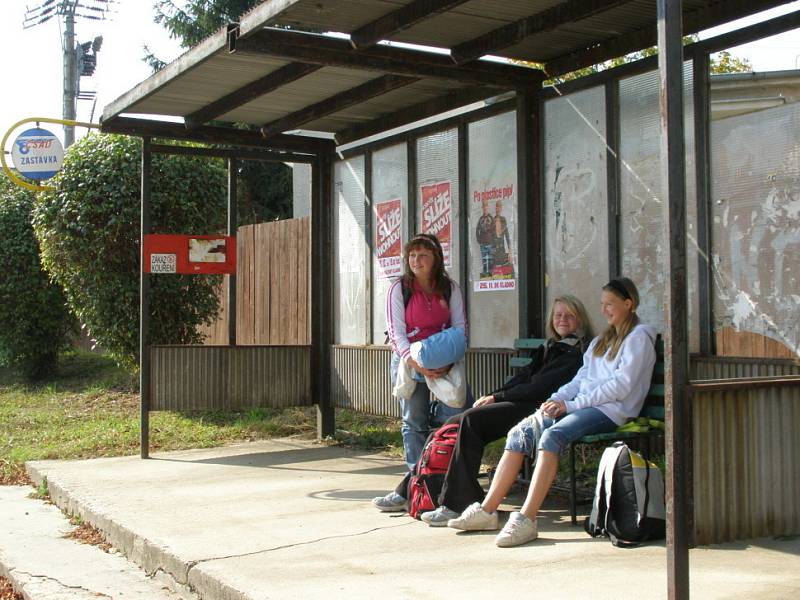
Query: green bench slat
(603, 437)
(656, 389)
(658, 368)
(528, 343)
(517, 362)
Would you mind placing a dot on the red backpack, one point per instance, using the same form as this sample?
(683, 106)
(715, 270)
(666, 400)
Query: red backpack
(428, 478)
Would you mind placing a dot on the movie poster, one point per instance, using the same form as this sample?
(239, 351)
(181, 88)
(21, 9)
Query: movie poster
(388, 245)
(437, 214)
(492, 209)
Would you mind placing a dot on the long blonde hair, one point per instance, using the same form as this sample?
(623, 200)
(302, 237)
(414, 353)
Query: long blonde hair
(577, 308)
(611, 339)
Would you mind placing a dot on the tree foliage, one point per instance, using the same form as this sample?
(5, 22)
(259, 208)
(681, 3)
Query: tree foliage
(265, 189)
(721, 62)
(34, 319)
(195, 20)
(89, 233)
(725, 62)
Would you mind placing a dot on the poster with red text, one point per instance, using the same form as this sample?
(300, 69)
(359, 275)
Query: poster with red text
(387, 238)
(436, 214)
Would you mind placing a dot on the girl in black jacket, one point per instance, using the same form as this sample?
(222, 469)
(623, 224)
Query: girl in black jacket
(569, 332)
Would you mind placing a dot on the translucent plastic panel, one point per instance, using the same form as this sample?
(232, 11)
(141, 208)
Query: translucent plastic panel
(643, 207)
(492, 228)
(389, 212)
(437, 192)
(755, 170)
(351, 278)
(576, 197)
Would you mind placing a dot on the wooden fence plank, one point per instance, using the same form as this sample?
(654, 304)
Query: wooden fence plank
(273, 286)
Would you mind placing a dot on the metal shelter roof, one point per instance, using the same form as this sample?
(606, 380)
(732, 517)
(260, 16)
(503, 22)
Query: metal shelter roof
(267, 73)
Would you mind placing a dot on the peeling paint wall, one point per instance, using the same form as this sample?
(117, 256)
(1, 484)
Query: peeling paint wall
(755, 169)
(575, 200)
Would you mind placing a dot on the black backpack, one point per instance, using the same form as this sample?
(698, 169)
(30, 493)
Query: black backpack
(427, 481)
(628, 504)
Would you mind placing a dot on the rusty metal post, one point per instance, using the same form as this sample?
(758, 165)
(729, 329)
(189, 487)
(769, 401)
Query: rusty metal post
(144, 307)
(673, 171)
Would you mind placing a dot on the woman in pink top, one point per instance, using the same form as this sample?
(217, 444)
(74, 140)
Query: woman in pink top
(424, 301)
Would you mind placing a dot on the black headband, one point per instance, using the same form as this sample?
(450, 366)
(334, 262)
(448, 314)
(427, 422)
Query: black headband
(428, 239)
(616, 285)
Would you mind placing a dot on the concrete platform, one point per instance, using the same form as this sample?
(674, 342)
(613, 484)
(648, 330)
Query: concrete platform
(289, 519)
(42, 564)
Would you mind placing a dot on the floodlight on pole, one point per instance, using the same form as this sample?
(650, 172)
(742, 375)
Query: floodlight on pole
(78, 60)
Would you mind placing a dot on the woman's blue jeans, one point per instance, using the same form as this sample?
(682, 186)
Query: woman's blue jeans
(420, 414)
(556, 436)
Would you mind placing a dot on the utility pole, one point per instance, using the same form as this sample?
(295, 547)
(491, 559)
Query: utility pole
(79, 60)
(70, 72)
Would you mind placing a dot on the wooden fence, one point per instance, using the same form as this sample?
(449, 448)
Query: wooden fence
(272, 286)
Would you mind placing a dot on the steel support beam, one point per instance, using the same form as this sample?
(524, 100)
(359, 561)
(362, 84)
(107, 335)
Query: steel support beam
(233, 169)
(702, 164)
(144, 306)
(676, 352)
(514, 33)
(332, 52)
(613, 177)
(398, 20)
(530, 216)
(644, 38)
(219, 135)
(351, 97)
(322, 293)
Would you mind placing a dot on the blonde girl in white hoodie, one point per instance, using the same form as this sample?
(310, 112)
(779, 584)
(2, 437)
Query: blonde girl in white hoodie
(610, 388)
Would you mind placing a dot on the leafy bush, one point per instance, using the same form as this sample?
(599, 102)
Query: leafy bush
(34, 319)
(89, 232)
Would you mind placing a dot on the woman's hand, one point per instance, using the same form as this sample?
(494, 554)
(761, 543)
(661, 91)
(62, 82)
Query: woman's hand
(484, 401)
(554, 408)
(432, 373)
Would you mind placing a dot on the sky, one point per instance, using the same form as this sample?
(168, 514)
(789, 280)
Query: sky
(32, 60)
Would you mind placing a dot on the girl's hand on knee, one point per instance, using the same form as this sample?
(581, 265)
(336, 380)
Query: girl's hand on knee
(485, 400)
(554, 408)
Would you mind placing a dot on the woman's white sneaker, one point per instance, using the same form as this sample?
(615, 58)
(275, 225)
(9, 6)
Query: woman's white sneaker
(391, 502)
(518, 530)
(474, 518)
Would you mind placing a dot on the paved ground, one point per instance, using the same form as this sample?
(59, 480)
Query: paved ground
(286, 519)
(41, 563)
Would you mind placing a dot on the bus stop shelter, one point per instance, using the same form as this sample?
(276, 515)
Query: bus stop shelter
(276, 74)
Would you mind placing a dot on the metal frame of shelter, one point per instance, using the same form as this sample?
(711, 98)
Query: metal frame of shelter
(327, 84)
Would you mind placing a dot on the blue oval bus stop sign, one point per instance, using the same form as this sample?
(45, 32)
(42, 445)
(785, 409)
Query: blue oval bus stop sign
(37, 154)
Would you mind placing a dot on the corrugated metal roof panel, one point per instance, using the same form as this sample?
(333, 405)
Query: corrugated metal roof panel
(379, 106)
(221, 74)
(311, 89)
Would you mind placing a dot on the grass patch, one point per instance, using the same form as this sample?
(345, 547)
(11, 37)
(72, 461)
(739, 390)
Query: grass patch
(91, 409)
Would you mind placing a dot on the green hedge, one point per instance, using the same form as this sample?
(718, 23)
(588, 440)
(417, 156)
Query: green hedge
(34, 319)
(89, 232)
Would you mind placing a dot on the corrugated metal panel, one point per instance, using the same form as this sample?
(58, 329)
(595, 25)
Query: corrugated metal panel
(361, 377)
(714, 367)
(746, 463)
(223, 377)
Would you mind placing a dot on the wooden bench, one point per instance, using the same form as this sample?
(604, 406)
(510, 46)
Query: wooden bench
(653, 408)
